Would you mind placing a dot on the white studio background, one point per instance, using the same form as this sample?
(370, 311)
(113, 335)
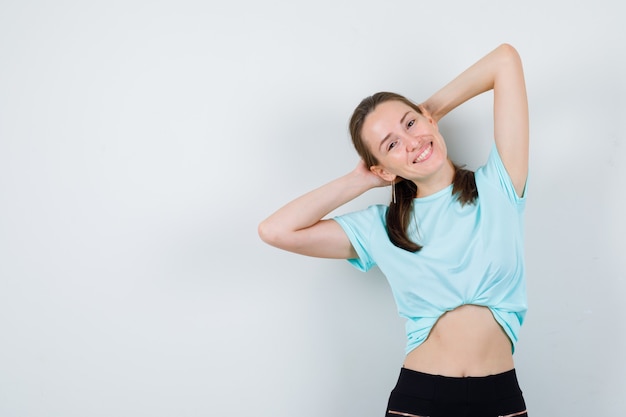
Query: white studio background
(141, 142)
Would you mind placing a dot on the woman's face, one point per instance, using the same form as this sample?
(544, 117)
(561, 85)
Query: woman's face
(406, 143)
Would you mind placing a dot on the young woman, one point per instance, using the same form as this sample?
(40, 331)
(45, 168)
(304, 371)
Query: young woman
(450, 242)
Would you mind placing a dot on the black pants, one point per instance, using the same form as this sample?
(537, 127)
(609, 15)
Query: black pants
(423, 395)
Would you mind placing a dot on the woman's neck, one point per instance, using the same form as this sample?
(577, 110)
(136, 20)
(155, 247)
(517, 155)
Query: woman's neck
(437, 181)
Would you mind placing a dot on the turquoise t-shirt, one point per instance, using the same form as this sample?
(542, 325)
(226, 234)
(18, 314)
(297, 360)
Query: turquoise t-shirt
(472, 254)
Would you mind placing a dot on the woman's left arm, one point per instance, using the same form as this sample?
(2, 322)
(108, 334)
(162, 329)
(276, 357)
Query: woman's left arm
(500, 70)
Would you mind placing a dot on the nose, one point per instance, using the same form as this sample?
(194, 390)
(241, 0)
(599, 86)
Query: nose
(412, 143)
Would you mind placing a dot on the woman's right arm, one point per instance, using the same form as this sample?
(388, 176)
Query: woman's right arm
(299, 226)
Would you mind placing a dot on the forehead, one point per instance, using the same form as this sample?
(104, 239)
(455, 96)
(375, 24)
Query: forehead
(384, 119)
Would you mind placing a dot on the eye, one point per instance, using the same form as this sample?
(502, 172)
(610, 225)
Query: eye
(392, 145)
(411, 123)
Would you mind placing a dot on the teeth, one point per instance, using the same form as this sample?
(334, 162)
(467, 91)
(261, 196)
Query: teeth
(424, 154)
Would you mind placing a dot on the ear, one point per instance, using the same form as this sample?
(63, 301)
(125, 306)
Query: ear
(383, 173)
(432, 121)
(428, 115)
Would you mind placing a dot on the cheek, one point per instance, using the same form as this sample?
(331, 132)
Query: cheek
(442, 145)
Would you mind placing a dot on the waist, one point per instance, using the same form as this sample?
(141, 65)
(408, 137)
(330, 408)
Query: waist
(463, 342)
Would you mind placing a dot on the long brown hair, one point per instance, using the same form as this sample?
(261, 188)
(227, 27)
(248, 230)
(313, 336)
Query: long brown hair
(399, 213)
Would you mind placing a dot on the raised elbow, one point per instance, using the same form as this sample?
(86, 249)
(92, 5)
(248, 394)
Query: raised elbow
(264, 232)
(269, 234)
(508, 52)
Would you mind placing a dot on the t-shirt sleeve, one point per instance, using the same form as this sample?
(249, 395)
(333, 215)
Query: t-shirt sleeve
(359, 226)
(494, 173)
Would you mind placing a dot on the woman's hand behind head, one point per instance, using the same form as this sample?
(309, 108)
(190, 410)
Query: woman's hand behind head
(369, 178)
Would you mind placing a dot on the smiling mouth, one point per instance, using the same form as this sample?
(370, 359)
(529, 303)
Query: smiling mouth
(425, 154)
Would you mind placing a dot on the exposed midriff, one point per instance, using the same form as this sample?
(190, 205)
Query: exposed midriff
(466, 341)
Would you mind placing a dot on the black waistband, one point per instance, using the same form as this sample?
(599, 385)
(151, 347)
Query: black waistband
(435, 387)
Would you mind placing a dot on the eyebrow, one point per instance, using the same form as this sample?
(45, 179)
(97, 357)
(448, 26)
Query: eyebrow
(386, 138)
